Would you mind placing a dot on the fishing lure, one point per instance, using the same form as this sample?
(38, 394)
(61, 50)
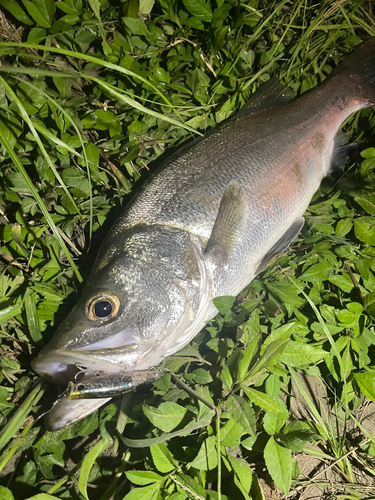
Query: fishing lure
(110, 385)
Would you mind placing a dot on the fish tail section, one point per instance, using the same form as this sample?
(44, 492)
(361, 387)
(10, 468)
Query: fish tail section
(358, 69)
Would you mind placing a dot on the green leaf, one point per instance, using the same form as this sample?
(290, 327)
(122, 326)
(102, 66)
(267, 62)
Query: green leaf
(286, 292)
(41, 11)
(145, 6)
(231, 433)
(242, 412)
(300, 355)
(162, 458)
(17, 11)
(279, 464)
(224, 304)
(343, 227)
(242, 471)
(319, 271)
(146, 493)
(88, 463)
(343, 281)
(187, 430)
(166, 417)
(366, 382)
(9, 312)
(364, 232)
(41, 496)
(136, 26)
(142, 477)
(199, 8)
(367, 202)
(273, 422)
(6, 494)
(295, 435)
(263, 400)
(207, 455)
(32, 315)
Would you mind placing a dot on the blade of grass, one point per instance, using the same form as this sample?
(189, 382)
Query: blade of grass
(23, 410)
(108, 65)
(79, 135)
(40, 202)
(35, 134)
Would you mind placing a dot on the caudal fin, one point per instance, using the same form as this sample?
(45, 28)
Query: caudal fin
(359, 70)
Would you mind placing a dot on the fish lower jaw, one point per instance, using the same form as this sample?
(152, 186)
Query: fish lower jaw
(63, 366)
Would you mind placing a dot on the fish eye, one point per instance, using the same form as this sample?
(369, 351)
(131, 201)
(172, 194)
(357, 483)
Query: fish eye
(102, 306)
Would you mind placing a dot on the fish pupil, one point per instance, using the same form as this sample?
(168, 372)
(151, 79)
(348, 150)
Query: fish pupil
(103, 309)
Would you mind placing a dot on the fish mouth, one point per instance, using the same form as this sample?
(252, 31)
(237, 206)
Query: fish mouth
(62, 366)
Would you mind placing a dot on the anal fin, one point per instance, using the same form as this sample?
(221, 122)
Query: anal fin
(229, 221)
(282, 244)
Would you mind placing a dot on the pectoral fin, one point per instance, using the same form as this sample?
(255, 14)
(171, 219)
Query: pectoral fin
(282, 244)
(229, 221)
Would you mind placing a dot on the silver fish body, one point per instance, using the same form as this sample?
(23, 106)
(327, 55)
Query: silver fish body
(203, 226)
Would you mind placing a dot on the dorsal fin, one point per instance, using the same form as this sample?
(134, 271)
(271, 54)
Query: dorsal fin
(270, 94)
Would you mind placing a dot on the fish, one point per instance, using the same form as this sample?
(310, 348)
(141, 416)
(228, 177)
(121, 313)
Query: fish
(208, 221)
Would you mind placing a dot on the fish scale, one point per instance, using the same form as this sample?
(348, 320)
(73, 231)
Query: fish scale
(207, 222)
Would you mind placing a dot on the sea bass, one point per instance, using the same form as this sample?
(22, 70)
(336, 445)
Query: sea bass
(207, 222)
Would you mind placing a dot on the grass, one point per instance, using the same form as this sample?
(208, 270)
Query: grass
(90, 95)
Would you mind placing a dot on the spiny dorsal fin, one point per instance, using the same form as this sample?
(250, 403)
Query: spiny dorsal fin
(282, 244)
(270, 94)
(229, 220)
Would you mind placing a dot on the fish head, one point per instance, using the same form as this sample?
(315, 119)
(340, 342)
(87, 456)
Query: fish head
(123, 313)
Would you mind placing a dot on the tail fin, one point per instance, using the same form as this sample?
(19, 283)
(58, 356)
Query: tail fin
(359, 68)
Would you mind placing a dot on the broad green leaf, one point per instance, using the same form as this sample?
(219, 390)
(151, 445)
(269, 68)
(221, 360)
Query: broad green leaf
(6, 494)
(279, 464)
(199, 9)
(319, 271)
(231, 433)
(367, 202)
(136, 26)
(365, 232)
(369, 303)
(41, 11)
(343, 227)
(296, 434)
(263, 400)
(147, 493)
(242, 412)
(207, 455)
(166, 417)
(299, 355)
(343, 281)
(17, 11)
(286, 292)
(145, 6)
(162, 458)
(366, 382)
(142, 477)
(224, 304)
(242, 471)
(273, 422)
